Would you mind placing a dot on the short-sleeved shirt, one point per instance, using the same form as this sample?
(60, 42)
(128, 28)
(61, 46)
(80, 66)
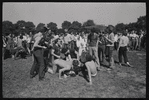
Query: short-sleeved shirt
(123, 41)
(111, 37)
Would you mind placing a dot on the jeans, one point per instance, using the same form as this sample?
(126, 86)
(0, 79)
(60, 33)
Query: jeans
(94, 52)
(38, 65)
(123, 52)
(115, 45)
(109, 50)
(101, 52)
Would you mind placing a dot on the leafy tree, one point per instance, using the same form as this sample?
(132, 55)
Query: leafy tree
(120, 27)
(39, 27)
(141, 22)
(60, 30)
(75, 25)
(29, 27)
(52, 26)
(7, 27)
(66, 25)
(88, 23)
(21, 23)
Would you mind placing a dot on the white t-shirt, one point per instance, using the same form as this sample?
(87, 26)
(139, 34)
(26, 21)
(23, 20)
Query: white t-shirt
(24, 38)
(116, 38)
(81, 43)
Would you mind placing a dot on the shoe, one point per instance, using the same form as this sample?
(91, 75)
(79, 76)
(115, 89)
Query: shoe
(128, 64)
(120, 64)
(32, 76)
(99, 69)
(109, 69)
(41, 79)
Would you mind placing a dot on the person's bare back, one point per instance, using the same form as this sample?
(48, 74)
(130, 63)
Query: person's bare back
(91, 68)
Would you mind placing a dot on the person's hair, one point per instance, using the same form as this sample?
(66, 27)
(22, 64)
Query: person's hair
(21, 37)
(93, 30)
(124, 33)
(55, 41)
(111, 28)
(75, 63)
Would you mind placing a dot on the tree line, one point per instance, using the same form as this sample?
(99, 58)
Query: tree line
(22, 26)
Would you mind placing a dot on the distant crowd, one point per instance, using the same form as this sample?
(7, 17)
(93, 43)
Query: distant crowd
(72, 52)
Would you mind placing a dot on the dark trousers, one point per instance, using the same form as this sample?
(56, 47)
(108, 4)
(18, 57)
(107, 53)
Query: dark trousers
(38, 65)
(133, 44)
(101, 52)
(109, 53)
(115, 45)
(123, 52)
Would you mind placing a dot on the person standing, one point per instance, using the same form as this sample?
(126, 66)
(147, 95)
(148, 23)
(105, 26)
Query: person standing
(110, 46)
(38, 64)
(122, 49)
(101, 48)
(4, 46)
(93, 46)
(140, 39)
(115, 41)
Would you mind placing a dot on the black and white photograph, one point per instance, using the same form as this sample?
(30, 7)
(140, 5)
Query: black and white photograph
(74, 49)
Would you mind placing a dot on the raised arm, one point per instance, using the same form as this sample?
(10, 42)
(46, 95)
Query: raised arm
(89, 73)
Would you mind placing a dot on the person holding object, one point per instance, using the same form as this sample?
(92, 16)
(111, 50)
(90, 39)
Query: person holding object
(110, 46)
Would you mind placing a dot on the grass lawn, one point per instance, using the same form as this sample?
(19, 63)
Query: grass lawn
(122, 82)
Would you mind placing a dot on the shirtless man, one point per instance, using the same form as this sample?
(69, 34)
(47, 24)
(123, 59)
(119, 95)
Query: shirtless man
(65, 65)
(91, 67)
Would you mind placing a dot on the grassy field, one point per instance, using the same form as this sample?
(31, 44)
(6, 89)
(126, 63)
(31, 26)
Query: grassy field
(122, 82)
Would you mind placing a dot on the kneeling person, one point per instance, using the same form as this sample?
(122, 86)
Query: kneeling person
(65, 65)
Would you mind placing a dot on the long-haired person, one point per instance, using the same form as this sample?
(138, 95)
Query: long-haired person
(110, 46)
(93, 46)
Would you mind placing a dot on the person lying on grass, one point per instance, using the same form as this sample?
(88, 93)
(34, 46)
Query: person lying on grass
(64, 65)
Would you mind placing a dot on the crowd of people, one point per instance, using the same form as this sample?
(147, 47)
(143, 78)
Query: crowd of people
(69, 53)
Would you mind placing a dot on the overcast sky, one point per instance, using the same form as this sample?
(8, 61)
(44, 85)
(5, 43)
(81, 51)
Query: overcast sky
(101, 13)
